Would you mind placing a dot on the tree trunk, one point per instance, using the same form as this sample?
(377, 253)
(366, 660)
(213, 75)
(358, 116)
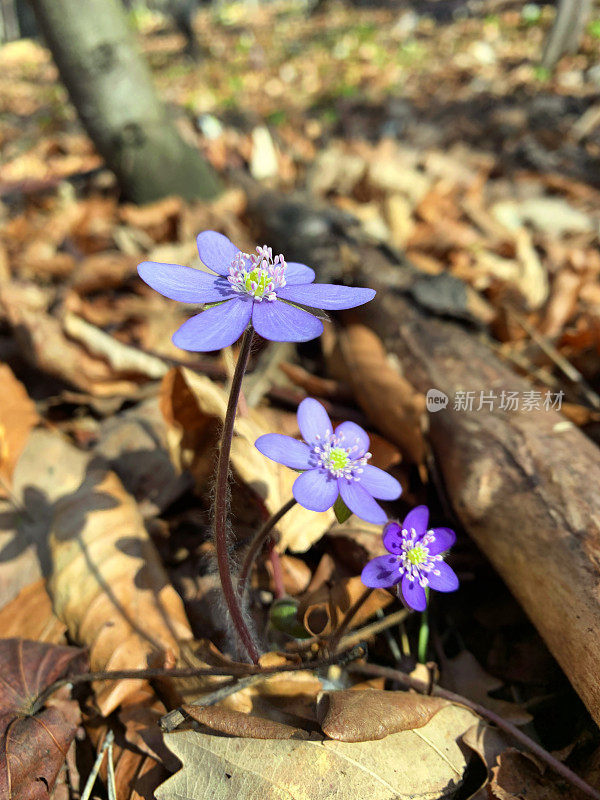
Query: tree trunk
(9, 26)
(567, 30)
(112, 90)
(523, 483)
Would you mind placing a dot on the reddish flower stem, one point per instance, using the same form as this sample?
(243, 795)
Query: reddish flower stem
(221, 504)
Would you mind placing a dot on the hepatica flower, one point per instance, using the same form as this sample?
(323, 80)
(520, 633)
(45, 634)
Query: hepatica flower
(246, 288)
(415, 561)
(333, 463)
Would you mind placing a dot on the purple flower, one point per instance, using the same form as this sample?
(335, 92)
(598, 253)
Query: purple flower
(416, 560)
(333, 463)
(247, 288)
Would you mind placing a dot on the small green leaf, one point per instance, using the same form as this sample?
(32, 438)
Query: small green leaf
(283, 616)
(341, 510)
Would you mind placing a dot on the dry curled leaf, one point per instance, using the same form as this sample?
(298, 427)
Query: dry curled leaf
(426, 764)
(322, 611)
(108, 584)
(390, 402)
(33, 746)
(358, 716)
(195, 407)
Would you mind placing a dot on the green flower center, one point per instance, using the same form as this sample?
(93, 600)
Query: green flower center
(338, 458)
(417, 555)
(256, 282)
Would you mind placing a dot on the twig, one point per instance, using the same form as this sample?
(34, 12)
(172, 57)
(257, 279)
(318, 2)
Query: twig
(234, 670)
(507, 727)
(89, 784)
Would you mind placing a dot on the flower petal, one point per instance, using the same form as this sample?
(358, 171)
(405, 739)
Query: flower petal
(360, 502)
(216, 251)
(326, 295)
(379, 483)
(392, 537)
(298, 273)
(217, 327)
(284, 450)
(417, 519)
(446, 581)
(280, 322)
(381, 572)
(315, 489)
(414, 594)
(313, 420)
(184, 284)
(444, 539)
(353, 434)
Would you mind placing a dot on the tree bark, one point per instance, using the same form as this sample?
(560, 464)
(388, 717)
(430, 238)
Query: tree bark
(567, 30)
(112, 90)
(524, 484)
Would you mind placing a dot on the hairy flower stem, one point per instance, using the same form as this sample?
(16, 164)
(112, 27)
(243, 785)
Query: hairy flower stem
(257, 543)
(220, 502)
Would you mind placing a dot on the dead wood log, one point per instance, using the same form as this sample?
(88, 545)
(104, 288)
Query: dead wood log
(523, 483)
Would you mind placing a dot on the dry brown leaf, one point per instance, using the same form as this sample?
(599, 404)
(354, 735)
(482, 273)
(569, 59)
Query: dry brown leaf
(236, 723)
(108, 584)
(30, 616)
(390, 402)
(17, 418)
(363, 715)
(195, 407)
(322, 611)
(33, 746)
(424, 764)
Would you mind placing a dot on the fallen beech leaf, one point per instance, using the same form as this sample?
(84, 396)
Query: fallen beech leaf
(30, 616)
(322, 611)
(195, 408)
(108, 584)
(391, 403)
(236, 723)
(33, 747)
(17, 417)
(357, 716)
(426, 764)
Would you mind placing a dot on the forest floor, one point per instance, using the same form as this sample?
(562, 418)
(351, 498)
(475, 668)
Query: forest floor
(447, 142)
